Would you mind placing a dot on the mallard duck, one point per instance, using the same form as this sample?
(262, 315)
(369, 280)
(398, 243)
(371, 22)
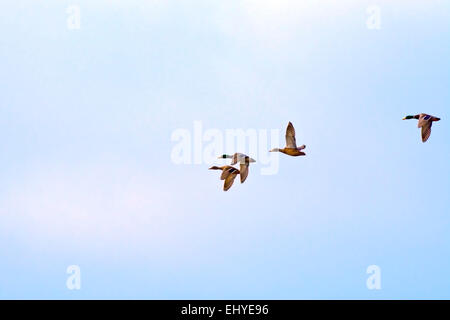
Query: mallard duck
(291, 148)
(229, 173)
(425, 122)
(243, 160)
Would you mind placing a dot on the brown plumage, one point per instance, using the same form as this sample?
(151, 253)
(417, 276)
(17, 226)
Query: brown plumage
(243, 160)
(291, 148)
(425, 122)
(229, 173)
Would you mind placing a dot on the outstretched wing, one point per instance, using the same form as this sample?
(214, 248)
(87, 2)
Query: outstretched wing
(238, 157)
(290, 136)
(244, 171)
(234, 159)
(426, 130)
(229, 181)
(225, 174)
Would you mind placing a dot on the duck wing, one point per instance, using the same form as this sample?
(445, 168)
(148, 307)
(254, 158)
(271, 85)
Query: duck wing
(290, 137)
(238, 157)
(227, 171)
(229, 180)
(244, 171)
(426, 130)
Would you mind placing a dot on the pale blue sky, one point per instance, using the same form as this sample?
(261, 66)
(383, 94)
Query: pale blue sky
(87, 179)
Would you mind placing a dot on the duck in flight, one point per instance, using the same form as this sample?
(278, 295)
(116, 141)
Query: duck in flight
(425, 122)
(229, 173)
(291, 148)
(243, 160)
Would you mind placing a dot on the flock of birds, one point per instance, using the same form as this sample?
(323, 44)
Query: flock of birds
(229, 172)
